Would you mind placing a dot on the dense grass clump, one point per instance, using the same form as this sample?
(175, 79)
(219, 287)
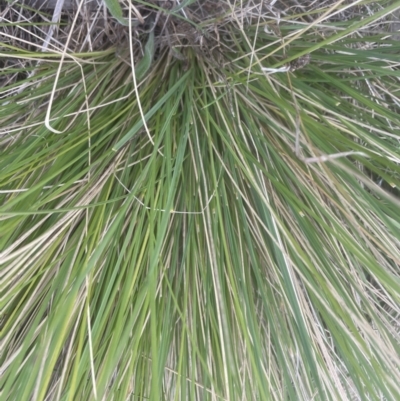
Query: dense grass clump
(199, 200)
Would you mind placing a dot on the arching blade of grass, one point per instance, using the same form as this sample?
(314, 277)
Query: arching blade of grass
(116, 11)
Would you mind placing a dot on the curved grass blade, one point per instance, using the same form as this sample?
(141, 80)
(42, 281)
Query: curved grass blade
(144, 64)
(116, 11)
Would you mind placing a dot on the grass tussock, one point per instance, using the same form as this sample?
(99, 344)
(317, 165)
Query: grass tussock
(199, 200)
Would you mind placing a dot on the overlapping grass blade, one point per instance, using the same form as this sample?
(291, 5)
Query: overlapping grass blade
(210, 261)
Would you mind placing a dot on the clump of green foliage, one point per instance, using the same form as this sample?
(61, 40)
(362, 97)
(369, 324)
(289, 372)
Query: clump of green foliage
(198, 200)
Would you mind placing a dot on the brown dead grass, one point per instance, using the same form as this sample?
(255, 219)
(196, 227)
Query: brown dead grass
(27, 25)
